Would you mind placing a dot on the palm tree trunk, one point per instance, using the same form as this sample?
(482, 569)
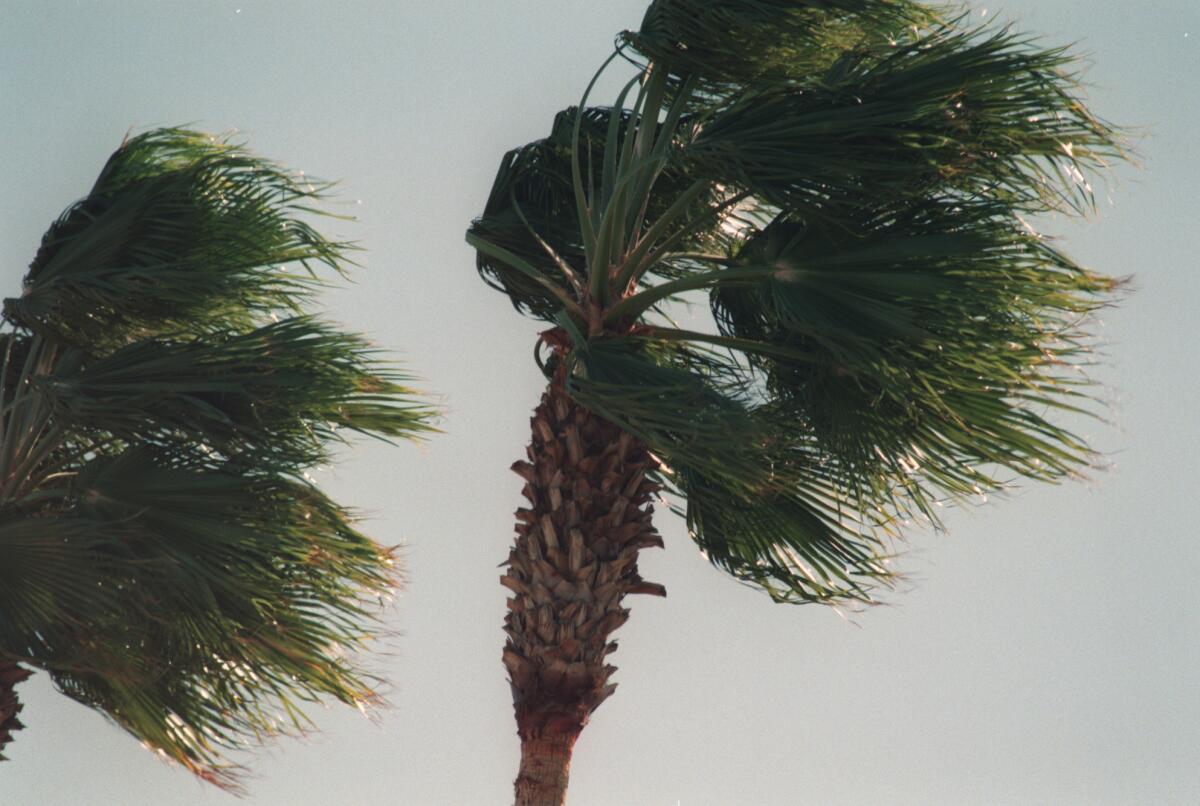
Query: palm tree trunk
(574, 560)
(10, 706)
(545, 768)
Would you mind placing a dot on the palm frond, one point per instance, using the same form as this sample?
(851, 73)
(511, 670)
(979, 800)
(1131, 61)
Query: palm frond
(793, 543)
(688, 412)
(921, 325)
(729, 45)
(968, 114)
(51, 567)
(196, 603)
(762, 501)
(276, 395)
(181, 231)
(240, 594)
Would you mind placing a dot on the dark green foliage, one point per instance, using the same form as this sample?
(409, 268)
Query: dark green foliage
(949, 114)
(848, 182)
(764, 501)
(729, 46)
(276, 393)
(163, 554)
(531, 210)
(180, 232)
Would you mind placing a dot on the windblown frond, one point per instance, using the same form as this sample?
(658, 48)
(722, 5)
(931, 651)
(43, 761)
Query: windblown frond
(164, 555)
(728, 45)
(973, 116)
(275, 394)
(763, 502)
(847, 181)
(181, 232)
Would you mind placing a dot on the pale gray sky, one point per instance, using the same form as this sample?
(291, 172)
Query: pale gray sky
(1047, 650)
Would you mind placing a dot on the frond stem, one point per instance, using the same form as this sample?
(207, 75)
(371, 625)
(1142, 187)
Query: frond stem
(634, 306)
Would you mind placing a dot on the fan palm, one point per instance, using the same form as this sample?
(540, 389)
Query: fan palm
(164, 555)
(846, 183)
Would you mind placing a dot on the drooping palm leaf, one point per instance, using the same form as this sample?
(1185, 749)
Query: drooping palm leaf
(762, 501)
(163, 553)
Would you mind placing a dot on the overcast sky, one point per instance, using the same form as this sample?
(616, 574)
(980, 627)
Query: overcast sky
(1046, 649)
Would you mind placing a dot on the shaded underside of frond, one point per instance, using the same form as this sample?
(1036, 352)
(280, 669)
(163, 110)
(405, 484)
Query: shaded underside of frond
(762, 501)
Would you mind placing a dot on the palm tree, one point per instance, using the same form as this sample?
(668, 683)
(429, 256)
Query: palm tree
(848, 182)
(164, 555)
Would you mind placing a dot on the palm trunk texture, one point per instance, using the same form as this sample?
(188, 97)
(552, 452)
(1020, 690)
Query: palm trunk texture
(574, 560)
(10, 675)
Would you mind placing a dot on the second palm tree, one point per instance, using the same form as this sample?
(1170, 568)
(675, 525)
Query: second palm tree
(848, 184)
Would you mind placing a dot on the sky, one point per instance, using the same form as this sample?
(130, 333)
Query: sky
(1045, 649)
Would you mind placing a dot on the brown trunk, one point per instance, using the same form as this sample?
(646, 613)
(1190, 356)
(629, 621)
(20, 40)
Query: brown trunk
(545, 767)
(574, 560)
(10, 706)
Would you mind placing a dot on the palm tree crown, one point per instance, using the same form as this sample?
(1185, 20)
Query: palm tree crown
(847, 184)
(850, 182)
(164, 555)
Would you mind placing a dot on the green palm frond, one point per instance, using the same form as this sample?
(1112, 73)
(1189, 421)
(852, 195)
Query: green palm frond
(281, 392)
(156, 563)
(968, 115)
(239, 595)
(933, 337)
(762, 501)
(751, 42)
(848, 182)
(181, 232)
(164, 555)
